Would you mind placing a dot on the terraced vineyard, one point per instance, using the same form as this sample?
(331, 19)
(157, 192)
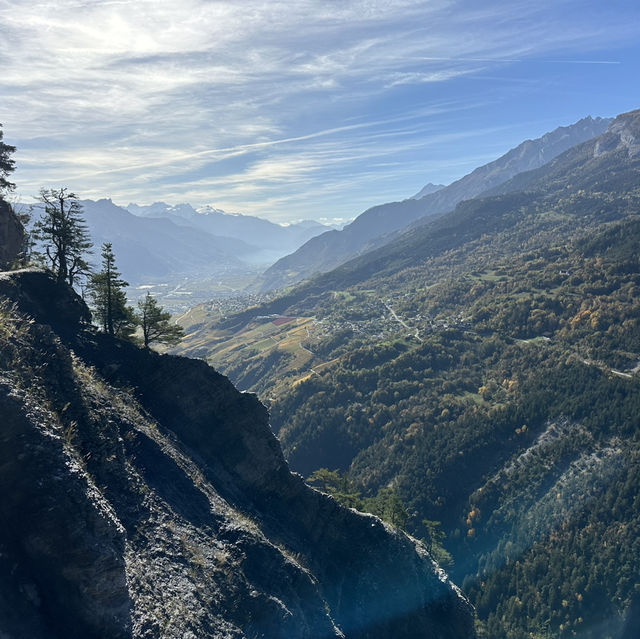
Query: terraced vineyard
(281, 341)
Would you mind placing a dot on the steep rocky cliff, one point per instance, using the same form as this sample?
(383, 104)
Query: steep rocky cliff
(144, 496)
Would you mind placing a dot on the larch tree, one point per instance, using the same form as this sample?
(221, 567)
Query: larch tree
(64, 235)
(106, 290)
(156, 323)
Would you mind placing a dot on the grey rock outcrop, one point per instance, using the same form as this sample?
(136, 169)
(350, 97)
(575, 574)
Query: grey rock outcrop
(622, 134)
(11, 236)
(144, 496)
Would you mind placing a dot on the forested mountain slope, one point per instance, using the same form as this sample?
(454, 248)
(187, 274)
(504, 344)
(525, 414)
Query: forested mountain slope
(485, 368)
(369, 230)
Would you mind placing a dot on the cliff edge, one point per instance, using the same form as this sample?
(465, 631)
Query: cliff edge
(144, 496)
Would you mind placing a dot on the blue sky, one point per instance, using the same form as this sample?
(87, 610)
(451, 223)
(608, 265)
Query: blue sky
(301, 108)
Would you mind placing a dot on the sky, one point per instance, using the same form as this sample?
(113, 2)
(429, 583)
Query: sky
(297, 109)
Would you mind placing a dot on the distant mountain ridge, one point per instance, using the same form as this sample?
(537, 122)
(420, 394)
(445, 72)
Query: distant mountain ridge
(162, 241)
(367, 231)
(427, 189)
(583, 166)
(159, 247)
(261, 233)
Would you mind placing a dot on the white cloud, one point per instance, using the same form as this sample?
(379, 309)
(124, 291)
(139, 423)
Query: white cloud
(154, 99)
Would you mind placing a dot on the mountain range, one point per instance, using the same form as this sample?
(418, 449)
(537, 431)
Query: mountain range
(483, 367)
(162, 243)
(376, 226)
(148, 248)
(268, 238)
(471, 375)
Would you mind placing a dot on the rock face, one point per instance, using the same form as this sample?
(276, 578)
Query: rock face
(624, 133)
(144, 496)
(11, 235)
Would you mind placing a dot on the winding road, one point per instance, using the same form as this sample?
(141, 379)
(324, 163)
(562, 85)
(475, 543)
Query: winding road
(403, 323)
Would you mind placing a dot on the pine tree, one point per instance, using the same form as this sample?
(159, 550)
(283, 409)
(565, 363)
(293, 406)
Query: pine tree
(155, 323)
(64, 234)
(7, 164)
(106, 290)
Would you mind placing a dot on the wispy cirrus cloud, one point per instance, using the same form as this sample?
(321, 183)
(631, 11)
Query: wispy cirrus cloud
(213, 101)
